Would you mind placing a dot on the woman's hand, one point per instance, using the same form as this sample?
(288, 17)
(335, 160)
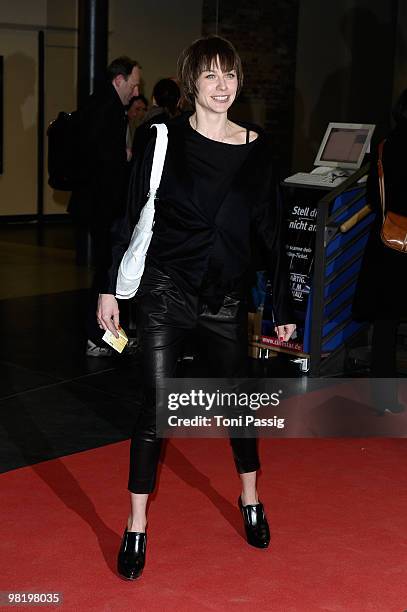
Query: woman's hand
(107, 313)
(284, 332)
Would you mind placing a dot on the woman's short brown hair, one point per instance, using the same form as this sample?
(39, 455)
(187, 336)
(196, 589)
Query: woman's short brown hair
(200, 56)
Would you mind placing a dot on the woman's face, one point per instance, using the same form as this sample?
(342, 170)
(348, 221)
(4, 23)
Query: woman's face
(216, 90)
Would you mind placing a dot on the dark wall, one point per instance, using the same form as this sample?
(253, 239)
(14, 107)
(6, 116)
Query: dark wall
(265, 35)
(345, 69)
(309, 62)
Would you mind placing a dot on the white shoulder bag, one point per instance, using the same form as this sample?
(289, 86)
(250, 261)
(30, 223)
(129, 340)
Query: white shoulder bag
(132, 265)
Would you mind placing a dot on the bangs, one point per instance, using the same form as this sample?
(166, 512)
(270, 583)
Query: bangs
(205, 54)
(217, 56)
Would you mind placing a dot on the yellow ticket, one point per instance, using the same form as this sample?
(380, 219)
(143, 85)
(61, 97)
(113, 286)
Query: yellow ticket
(117, 343)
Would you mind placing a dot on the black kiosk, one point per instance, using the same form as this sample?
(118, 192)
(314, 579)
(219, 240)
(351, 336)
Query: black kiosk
(328, 222)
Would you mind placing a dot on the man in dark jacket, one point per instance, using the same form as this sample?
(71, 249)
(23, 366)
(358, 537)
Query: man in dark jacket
(101, 195)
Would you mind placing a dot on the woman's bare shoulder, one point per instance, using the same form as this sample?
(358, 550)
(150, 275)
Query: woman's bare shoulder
(238, 133)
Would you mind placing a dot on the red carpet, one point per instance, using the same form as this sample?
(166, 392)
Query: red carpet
(337, 510)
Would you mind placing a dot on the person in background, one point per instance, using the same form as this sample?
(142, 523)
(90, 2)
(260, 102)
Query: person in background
(165, 99)
(137, 109)
(100, 197)
(136, 112)
(379, 295)
(218, 191)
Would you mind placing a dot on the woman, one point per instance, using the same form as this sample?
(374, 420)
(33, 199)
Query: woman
(379, 296)
(217, 188)
(165, 98)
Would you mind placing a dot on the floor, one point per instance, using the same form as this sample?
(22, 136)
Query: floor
(53, 400)
(337, 510)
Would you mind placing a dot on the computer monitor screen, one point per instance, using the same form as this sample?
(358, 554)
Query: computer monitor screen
(344, 145)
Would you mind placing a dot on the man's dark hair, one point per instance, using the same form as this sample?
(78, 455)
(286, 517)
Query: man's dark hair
(400, 108)
(200, 56)
(121, 65)
(167, 94)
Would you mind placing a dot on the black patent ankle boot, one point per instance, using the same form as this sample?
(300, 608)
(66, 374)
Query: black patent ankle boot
(255, 524)
(132, 555)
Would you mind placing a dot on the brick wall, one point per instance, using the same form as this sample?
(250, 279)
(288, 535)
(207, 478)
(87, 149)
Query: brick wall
(265, 35)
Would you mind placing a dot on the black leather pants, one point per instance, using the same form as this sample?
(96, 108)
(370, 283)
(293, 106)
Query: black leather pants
(165, 316)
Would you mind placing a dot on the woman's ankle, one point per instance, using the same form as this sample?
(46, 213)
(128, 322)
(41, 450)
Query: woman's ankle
(249, 499)
(136, 524)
